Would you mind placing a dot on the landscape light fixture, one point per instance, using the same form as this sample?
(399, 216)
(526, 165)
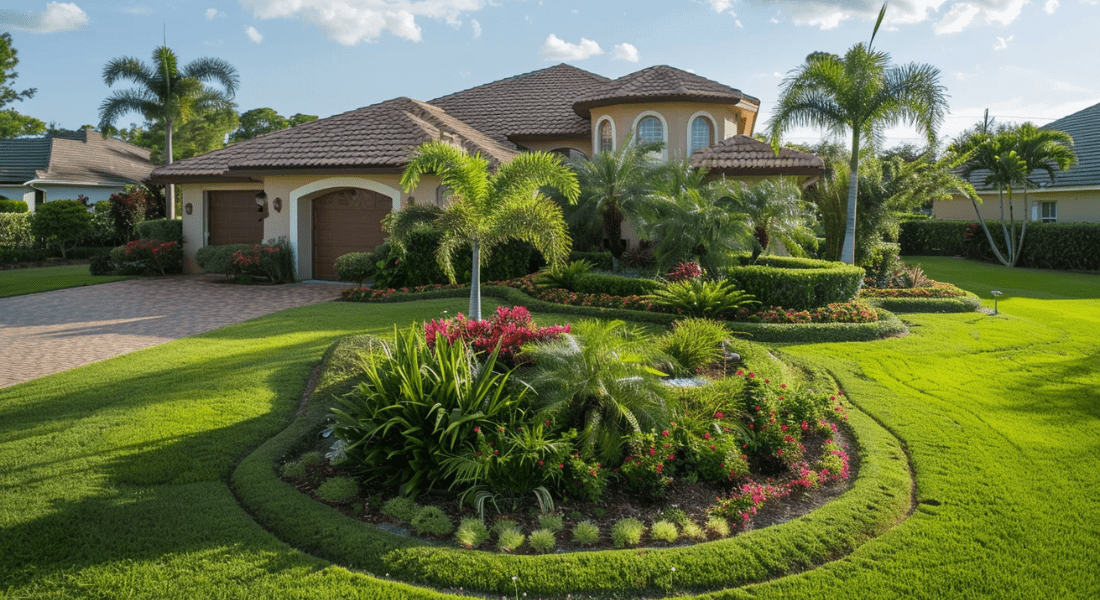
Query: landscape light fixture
(996, 294)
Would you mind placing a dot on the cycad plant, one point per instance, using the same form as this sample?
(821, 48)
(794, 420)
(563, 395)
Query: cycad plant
(709, 299)
(600, 379)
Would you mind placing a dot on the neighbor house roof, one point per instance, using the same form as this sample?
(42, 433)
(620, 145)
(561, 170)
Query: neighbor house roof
(661, 83)
(1084, 127)
(744, 155)
(83, 157)
(380, 135)
(532, 104)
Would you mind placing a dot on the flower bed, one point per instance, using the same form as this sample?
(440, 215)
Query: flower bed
(935, 290)
(936, 297)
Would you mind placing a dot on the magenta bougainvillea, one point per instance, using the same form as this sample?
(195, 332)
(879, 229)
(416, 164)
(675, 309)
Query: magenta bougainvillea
(510, 329)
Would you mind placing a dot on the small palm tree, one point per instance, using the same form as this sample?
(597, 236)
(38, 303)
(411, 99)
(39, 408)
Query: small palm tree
(776, 212)
(861, 95)
(487, 209)
(167, 93)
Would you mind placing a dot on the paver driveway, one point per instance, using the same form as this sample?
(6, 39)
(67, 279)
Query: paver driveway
(50, 332)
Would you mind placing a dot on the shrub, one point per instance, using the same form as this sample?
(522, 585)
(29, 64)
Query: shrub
(295, 470)
(841, 312)
(504, 525)
(694, 343)
(586, 533)
(542, 541)
(701, 298)
(740, 506)
(718, 456)
(401, 508)
(614, 285)
(17, 255)
(603, 261)
(338, 489)
(161, 229)
(590, 479)
(218, 259)
(509, 540)
(690, 529)
(664, 531)
(799, 289)
(471, 533)
(129, 208)
(551, 522)
(881, 262)
(148, 257)
(932, 237)
(355, 267)
(13, 206)
(273, 260)
(15, 230)
(565, 276)
(645, 469)
(432, 520)
(312, 457)
(101, 264)
(718, 526)
(509, 330)
(639, 257)
(627, 532)
(63, 224)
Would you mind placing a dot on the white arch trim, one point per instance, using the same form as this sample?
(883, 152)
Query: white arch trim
(301, 221)
(596, 134)
(664, 125)
(713, 128)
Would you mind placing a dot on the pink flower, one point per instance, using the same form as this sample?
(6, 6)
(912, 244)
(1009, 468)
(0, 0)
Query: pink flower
(664, 433)
(713, 448)
(719, 415)
(805, 426)
(672, 457)
(706, 436)
(652, 451)
(477, 430)
(783, 427)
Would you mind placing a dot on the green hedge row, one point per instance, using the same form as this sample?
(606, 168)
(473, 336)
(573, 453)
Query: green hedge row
(218, 259)
(799, 288)
(614, 285)
(169, 230)
(1063, 246)
(784, 262)
(13, 206)
(968, 303)
(930, 237)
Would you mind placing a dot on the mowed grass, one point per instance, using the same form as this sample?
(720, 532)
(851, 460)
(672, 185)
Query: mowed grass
(17, 282)
(112, 475)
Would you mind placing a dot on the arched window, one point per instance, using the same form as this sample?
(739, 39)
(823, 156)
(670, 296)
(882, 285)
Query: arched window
(702, 134)
(650, 129)
(607, 137)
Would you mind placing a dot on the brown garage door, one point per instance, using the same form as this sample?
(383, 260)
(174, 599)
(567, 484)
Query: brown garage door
(348, 220)
(234, 218)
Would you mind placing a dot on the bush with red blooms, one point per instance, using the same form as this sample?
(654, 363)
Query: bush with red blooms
(685, 271)
(509, 329)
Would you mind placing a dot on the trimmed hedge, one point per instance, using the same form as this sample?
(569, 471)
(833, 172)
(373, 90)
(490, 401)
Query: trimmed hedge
(603, 261)
(355, 267)
(161, 229)
(13, 206)
(15, 230)
(933, 238)
(878, 498)
(799, 288)
(784, 262)
(614, 285)
(1061, 246)
(218, 259)
(969, 303)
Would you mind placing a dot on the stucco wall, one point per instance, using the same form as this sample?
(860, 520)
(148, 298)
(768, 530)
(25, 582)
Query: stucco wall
(18, 192)
(728, 120)
(1073, 206)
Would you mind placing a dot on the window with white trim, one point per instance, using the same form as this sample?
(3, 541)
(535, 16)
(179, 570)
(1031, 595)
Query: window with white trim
(650, 129)
(607, 141)
(702, 134)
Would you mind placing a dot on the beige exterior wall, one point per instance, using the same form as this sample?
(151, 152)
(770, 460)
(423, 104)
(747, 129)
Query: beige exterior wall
(729, 120)
(582, 144)
(1082, 206)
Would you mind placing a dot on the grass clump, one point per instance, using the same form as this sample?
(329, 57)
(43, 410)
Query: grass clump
(664, 531)
(586, 533)
(338, 489)
(718, 526)
(508, 540)
(294, 470)
(471, 533)
(312, 458)
(694, 343)
(627, 532)
(692, 530)
(673, 515)
(542, 541)
(553, 523)
(432, 520)
(401, 508)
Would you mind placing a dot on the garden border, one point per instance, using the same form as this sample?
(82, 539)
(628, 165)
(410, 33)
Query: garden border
(958, 304)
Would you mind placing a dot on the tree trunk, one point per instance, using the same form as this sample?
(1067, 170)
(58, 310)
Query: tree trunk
(170, 189)
(1013, 250)
(848, 251)
(988, 236)
(613, 230)
(1023, 230)
(475, 282)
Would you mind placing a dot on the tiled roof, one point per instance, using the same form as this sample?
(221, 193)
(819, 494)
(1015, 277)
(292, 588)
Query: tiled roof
(380, 135)
(1084, 127)
(21, 159)
(656, 84)
(744, 155)
(81, 157)
(535, 103)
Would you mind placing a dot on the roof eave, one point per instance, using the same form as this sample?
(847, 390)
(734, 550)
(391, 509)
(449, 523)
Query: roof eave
(584, 108)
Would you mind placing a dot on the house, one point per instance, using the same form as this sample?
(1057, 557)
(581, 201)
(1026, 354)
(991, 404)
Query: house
(1073, 196)
(65, 167)
(326, 185)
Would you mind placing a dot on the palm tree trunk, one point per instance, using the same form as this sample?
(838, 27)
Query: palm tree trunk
(1004, 228)
(170, 189)
(613, 229)
(475, 282)
(1023, 230)
(988, 235)
(848, 251)
(1011, 232)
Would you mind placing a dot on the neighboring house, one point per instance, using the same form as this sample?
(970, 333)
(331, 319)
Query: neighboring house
(1073, 196)
(65, 167)
(326, 185)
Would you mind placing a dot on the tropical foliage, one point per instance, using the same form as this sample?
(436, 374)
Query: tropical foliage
(13, 124)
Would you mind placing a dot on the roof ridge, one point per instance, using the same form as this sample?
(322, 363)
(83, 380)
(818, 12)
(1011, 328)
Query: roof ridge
(521, 76)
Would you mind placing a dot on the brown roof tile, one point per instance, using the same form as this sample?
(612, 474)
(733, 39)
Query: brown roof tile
(744, 155)
(380, 135)
(657, 84)
(535, 103)
(83, 156)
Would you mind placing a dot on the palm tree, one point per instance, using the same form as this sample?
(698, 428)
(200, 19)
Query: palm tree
(860, 94)
(487, 209)
(167, 93)
(776, 212)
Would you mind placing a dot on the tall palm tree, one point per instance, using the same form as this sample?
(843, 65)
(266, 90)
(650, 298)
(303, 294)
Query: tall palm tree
(488, 209)
(776, 212)
(167, 93)
(860, 94)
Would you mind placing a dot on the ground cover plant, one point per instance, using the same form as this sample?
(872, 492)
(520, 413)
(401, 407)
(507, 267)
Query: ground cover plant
(117, 478)
(17, 282)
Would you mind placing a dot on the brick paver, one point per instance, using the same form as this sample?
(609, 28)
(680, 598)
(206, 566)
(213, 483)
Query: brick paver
(54, 331)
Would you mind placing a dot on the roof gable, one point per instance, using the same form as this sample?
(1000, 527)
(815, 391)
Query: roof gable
(660, 83)
(742, 154)
(85, 156)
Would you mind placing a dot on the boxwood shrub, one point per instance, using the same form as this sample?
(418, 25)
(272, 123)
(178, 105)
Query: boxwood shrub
(931, 237)
(161, 229)
(1064, 246)
(13, 206)
(218, 259)
(614, 285)
(799, 288)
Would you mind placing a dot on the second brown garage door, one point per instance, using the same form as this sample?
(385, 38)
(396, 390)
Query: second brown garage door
(234, 218)
(348, 220)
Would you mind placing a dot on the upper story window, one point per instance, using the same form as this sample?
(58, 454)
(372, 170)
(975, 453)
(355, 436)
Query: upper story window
(650, 129)
(606, 137)
(702, 134)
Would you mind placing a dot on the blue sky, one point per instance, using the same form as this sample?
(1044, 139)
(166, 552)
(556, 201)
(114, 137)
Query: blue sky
(1024, 60)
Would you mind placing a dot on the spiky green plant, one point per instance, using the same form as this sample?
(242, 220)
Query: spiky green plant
(338, 489)
(586, 533)
(542, 541)
(701, 298)
(564, 276)
(431, 519)
(627, 532)
(694, 343)
(509, 540)
(664, 531)
(718, 526)
(471, 533)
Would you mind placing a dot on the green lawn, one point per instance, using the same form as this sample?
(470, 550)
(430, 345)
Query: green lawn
(17, 282)
(113, 476)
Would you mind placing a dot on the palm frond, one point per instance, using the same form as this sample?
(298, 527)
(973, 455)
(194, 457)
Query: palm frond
(218, 70)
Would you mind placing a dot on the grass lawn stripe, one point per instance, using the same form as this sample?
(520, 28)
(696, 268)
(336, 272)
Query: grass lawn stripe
(18, 282)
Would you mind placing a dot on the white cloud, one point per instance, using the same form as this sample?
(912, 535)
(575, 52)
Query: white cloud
(558, 49)
(626, 52)
(957, 18)
(1051, 6)
(720, 6)
(350, 22)
(960, 76)
(476, 27)
(1002, 43)
(253, 35)
(139, 9)
(58, 16)
(213, 13)
(956, 14)
(737, 22)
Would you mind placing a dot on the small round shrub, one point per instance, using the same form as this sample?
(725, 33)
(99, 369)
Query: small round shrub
(312, 458)
(664, 531)
(400, 508)
(542, 541)
(504, 525)
(552, 522)
(101, 264)
(355, 267)
(586, 533)
(432, 520)
(627, 532)
(471, 533)
(338, 489)
(674, 515)
(294, 470)
(691, 530)
(509, 540)
(718, 526)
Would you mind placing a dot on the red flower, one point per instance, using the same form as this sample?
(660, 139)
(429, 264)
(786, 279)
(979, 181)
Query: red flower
(477, 430)
(719, 415)
(540, 463)
(652, 452)
(561, 466)
(660, 468)
(664, 433)
(672, 457)
(783, 427)
(547, 423)
(713, 448)
(706, 436)
(479, 454)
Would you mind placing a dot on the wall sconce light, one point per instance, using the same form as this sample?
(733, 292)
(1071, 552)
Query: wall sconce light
(187, 208)
(277, 204)
(261, 204)
(996, 294)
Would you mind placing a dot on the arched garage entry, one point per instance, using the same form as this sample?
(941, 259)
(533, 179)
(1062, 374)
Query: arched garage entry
(332, 217)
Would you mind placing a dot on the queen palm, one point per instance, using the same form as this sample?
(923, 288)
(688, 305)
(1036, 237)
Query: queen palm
(859, 95)
(167, 93)
(487, 209)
